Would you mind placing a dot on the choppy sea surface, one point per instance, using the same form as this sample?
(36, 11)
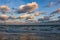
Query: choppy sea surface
(29, 32)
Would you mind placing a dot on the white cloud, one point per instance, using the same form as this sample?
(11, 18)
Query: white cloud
(5, 9)
(3, 17)
(24, 16)
(30, 7)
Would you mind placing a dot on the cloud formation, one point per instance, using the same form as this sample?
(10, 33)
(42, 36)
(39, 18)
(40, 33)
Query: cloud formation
(24, 16)
(4, 9)
(50, 4)
(45, 18)
(57, 2)
(12, 17)
(3, 17)
(30, 7)
(38, 13)
(57, 11)
(30, 17)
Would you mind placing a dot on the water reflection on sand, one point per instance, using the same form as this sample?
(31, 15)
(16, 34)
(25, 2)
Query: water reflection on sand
(29, 36)
(29, 33)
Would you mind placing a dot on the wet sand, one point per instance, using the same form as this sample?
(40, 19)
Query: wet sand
(29, 33)
(29, 36)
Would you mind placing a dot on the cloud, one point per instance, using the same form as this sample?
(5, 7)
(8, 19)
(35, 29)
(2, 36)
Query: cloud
(38, 13)
(57, 11)
(12, 17)
(30, 17)
(30, 7)
(59, 17)
(4, 9)
(3, 17)
(24, 16)
(45, 18)
(40, 19)
(54, 19)
(57, 2)
(50, 4)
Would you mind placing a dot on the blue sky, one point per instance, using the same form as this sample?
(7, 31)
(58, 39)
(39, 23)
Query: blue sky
(41, 4)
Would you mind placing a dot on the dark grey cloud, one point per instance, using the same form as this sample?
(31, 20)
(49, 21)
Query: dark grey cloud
(57, 11)
(45, 18)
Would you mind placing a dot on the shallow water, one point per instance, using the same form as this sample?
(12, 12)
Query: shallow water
(29, 32)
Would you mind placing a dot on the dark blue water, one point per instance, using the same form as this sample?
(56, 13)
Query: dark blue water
(29, 32)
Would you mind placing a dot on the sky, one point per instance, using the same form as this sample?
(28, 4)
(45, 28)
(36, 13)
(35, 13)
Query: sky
(46, 6)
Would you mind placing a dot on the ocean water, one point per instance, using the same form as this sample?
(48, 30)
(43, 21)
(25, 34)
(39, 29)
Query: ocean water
(29, 32)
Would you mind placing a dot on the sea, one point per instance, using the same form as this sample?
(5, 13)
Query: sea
(31, 32)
